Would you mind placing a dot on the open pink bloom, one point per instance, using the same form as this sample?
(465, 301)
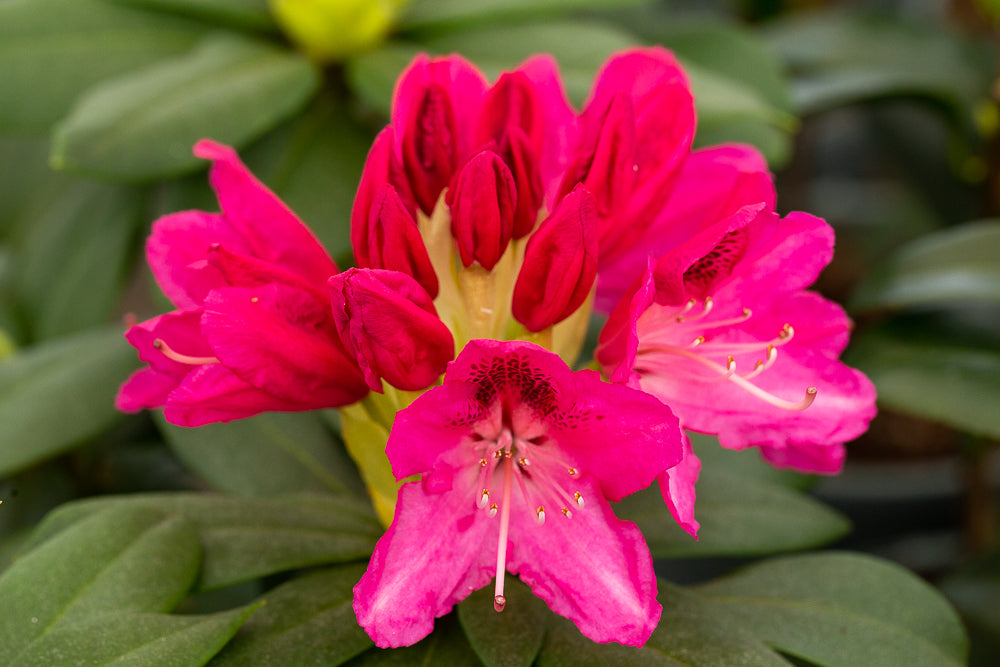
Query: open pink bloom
(510, 153)
(719, 325)
(253, 330)
(519, 457)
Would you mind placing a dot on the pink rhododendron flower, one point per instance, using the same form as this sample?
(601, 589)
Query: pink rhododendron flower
(253, 330)
(719, 325)
(519, 457)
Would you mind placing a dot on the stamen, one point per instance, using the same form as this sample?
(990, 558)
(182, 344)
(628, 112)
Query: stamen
(523, 462)
(540, 514)
(493, 510)
(706, 308)
(161, 345)
(579, 498)
(571, 471)
(483, 499)
(697, 341)
(567, 513)
(499, 602)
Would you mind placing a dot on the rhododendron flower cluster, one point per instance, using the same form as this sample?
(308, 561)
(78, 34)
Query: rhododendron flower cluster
(491, 220)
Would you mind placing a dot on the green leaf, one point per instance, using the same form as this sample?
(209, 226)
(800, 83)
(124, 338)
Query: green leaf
(265, 455)
(136, 640)
(842, 609)
(974, 589)
(240, 14)
(245, 538)
(445, 646)
(53, 50)
(952, 266)
(309, 620)
(423, 14)
(508, 639)
(688, 635)
(314, 164)
(742, 512)
(124, 559)
(58, 394)
(935, 378)
(73, 262)
(142, 126)
(842, 57)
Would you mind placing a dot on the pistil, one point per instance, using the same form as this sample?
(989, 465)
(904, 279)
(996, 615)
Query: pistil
(173, 355)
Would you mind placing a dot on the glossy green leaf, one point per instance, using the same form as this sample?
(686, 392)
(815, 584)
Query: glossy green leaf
(841, 609)
(309, 620)
(689, 635)
(952, 266)
(423, 14)
(940, 379)
(58, 394)
(508, 639)
(445, 646)
(135, 640)
(123, 559)
(245, 538)
(143, 125)
(265, 455)
(24, 163)
(77, 250)
(252, 14)
(53, 50)
(740, 513)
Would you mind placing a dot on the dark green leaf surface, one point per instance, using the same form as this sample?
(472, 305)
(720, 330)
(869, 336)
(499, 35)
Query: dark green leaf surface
(74, 257)
(956, 265)
(307, 621)
(143, 125)
(135, 640)
(509, 639)
(933, 378)
(53, 50)
(739, 515)
(423, 14)
(123, 559)
(245, 538)
(265, 455)
(841, 609)
(252, 14)
(57, 394)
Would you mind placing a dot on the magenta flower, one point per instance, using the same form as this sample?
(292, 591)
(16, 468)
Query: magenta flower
(719, 325)
(253, 330)
(519, 457)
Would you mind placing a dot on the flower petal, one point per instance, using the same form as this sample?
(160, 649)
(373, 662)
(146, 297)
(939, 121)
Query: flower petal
(677, 485)
(271, 231)
(213, 393)
(436, 552)
(593, 568)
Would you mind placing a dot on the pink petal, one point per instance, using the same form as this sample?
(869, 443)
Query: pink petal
(677, 485)
(146, 388)
(436, 552)
(180, 241)
(271, 231)
(282, 340)
(180, 330)
(593, 568)
(213, 393)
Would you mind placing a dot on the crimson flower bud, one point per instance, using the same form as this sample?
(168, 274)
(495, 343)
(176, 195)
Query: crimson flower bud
(381, 167)
(388, 321)
(430, 146)
(560, 263)
(482, 201)
(394, 241)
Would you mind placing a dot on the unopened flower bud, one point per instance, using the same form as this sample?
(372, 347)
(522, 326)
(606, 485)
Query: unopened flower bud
(483, 201)
(389, 322)
(560, 264)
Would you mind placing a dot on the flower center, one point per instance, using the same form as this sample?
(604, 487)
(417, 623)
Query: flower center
(683, 332)
(540, 477)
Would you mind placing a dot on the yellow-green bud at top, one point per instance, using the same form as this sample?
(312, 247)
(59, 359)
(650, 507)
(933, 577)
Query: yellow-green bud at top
(328, 30)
